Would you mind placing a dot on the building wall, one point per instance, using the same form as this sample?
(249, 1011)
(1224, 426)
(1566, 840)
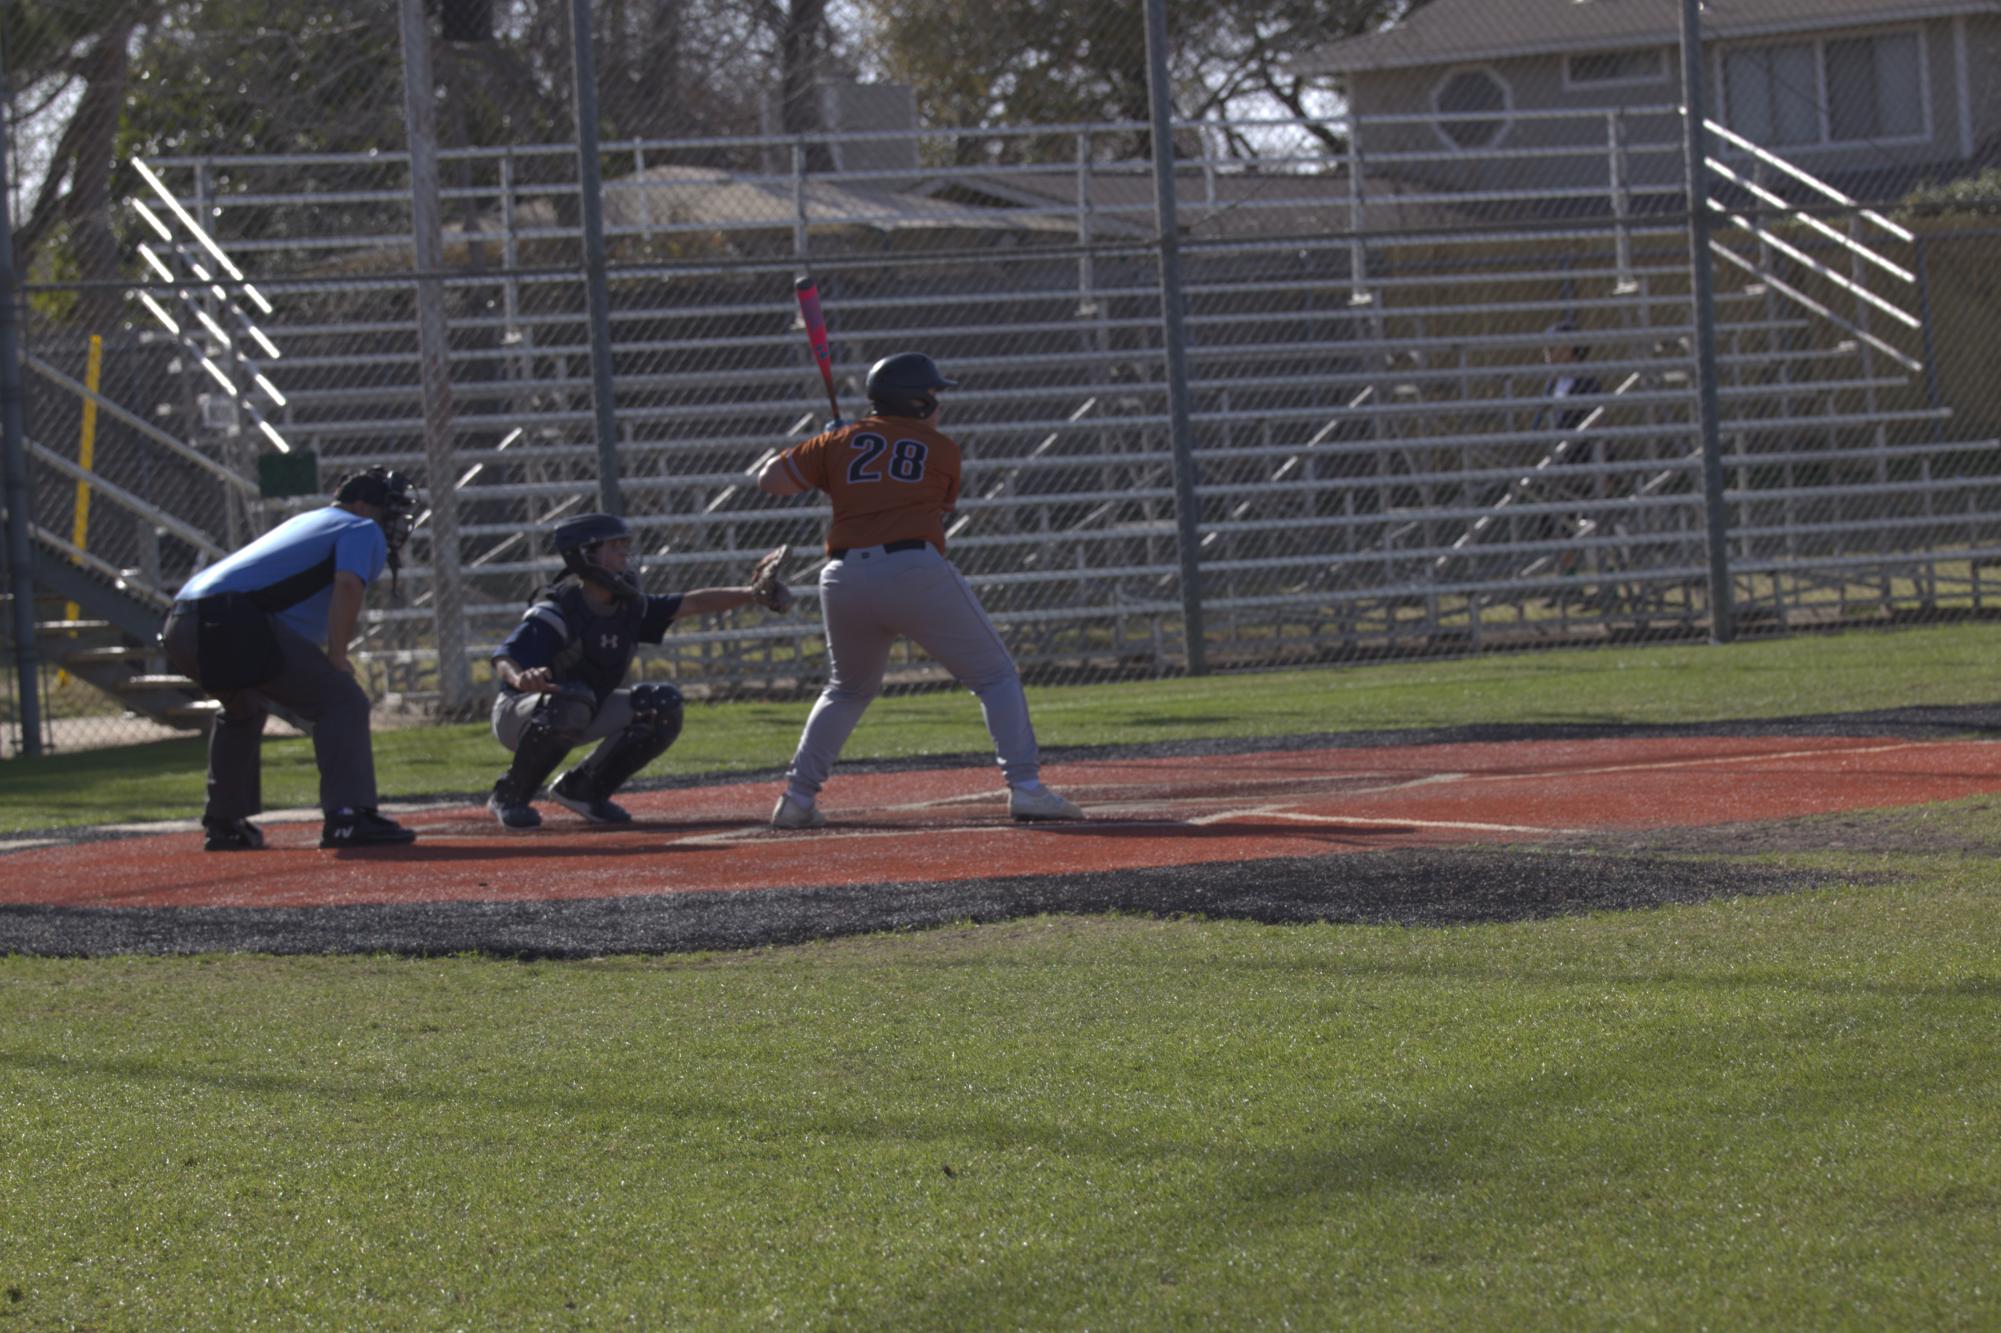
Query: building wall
(1532, 155)
(1535, 156)
(1983, 55)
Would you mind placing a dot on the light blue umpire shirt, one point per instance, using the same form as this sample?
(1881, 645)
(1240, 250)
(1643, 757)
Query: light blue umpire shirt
(305, 553)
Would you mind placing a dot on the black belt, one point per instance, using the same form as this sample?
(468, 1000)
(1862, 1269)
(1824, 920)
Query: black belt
(888, 548)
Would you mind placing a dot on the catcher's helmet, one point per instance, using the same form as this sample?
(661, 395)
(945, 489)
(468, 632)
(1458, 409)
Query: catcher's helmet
(577, 539)
(902, 385)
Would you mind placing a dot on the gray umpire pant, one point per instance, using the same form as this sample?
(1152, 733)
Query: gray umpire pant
(870, 599)
(314, 690)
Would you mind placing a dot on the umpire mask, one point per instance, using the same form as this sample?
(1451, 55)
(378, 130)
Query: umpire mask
(395, 501)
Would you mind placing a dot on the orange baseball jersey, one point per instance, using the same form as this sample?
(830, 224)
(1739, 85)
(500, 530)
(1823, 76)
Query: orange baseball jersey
(890, 478)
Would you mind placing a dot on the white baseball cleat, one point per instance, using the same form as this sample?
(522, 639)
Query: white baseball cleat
(790, 813)
(1041, 803)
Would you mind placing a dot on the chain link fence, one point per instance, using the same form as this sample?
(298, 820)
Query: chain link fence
(1443, 343)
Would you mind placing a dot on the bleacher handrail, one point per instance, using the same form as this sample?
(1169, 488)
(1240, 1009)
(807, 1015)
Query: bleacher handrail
(1807, 179)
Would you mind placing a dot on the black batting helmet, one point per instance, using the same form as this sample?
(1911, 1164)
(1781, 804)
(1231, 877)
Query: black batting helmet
(577, 539)
(903, 385)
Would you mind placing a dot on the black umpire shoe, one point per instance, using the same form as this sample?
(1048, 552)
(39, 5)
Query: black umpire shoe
(363, 828)
(231, 835)
(512, 813)
(567, 791)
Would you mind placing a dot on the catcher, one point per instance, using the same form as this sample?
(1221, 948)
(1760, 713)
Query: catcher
(562, 673)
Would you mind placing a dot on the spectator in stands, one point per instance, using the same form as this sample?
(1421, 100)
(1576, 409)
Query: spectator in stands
(1569, 378)
(249, 629)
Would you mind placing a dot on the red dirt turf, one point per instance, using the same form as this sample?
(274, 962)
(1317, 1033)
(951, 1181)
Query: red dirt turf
(951, 824)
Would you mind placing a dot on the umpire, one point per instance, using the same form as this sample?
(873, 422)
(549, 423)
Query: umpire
(562, 674)
(249, 630)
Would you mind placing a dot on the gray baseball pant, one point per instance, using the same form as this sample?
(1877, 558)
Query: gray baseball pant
(870, 599)
(512, 711)
(321, 695)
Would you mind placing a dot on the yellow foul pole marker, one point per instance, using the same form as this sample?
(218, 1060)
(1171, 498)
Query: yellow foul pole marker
(85, 456)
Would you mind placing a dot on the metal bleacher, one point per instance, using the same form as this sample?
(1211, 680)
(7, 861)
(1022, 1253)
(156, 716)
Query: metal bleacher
(1363, 410)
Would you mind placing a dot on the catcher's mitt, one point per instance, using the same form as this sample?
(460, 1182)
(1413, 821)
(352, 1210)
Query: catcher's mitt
(766, 586)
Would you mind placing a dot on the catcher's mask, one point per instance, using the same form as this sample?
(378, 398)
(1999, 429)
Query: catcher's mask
(577, 541)
(395, 501)
(903, 385)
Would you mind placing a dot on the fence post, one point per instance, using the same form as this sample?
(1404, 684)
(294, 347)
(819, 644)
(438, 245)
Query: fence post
(1187, 517)
(590, 188)
(1358, 245)
(800, 235)
(1622, 198)
(434, 365)
(13, 446)
(1921, 263)
(1703, 302)
(1087, 275)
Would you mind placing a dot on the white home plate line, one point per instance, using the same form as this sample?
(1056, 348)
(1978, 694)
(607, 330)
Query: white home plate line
(1469, 825)
(1543, 775)
(1285, 812)
(1219, 789)
(836, 828)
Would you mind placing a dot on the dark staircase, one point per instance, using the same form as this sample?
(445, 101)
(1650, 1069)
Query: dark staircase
(112, 644)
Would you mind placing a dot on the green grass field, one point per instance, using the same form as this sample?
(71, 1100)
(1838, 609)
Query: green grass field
(1759, 1112)
(1952, 664)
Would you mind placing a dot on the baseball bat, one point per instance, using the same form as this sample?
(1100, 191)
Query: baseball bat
(816, 334)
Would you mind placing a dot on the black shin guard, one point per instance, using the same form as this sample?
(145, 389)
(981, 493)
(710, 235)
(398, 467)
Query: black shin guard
(548, 738)
(656, 723)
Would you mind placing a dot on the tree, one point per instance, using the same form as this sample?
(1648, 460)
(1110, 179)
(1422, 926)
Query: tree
(105, 81)
(76, 57)
(1027, 62)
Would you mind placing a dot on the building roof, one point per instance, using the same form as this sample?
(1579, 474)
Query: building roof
(1234, 205)
(706, 197)
(1453, 31)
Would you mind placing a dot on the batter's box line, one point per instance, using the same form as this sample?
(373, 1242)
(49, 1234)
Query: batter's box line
(1460, 825)
(1222, 790)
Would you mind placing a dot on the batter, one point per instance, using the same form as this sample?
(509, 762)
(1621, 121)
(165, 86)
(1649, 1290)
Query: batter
(892, 477)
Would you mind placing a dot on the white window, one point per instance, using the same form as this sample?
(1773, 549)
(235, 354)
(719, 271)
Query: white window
(1599, 69)
(1871, 89)
(1874, 88)
(1469, 104)
(1773, 94)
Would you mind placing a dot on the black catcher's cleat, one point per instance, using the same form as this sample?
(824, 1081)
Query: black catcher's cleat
(568, 791)
(231, 835)
(363, 828)
(512, 813)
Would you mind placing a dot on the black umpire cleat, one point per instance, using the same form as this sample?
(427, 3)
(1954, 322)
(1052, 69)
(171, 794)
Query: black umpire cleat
(567, 791)
(231, 835)
(512, 813)
(363, 828)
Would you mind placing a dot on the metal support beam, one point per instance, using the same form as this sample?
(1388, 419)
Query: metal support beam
(434, 353)
(14, 447)
(596, 293)
(1174, 333)
(1695, 152)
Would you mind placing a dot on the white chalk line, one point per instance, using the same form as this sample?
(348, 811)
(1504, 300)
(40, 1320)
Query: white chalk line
(1710, 761)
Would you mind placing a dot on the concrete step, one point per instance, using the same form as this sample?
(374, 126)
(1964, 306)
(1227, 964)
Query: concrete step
(108, 655)
(191, 716)
(52, 628)
(142, 683)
